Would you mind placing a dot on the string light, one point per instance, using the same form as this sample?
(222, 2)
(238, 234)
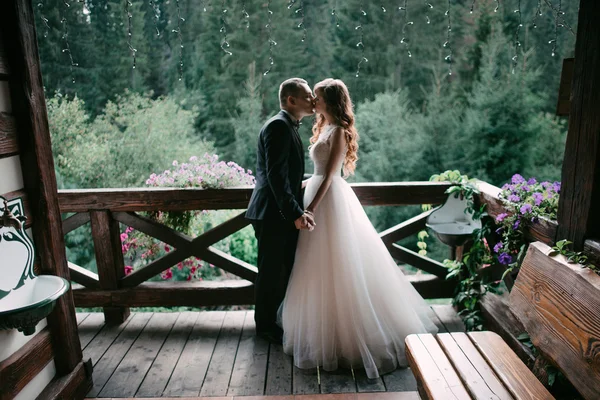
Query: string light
(560, 14)
(223, 30)
(334, 13)
(472, 7)
(447, 43)
(128, 4)
(538, 13)
(178, 32)
(291, 4)
(497, 6)
(405, 41)
(65, 37)
(383, 8)
(361, 43)
(429, 7)
(517, 42)
(156, 10)
(43, 18)
(203, 2)
(272, 43)
(245, 14)
(556, 26)
(301, 24)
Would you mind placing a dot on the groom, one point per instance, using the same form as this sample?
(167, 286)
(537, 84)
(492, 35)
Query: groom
(275, 208)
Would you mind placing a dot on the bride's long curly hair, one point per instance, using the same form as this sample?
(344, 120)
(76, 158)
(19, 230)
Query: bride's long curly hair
(339, 106)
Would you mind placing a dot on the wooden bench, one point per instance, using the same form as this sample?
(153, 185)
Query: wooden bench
(559, 306)
(477, 365)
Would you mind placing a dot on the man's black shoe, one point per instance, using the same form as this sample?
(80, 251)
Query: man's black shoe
(271, 337)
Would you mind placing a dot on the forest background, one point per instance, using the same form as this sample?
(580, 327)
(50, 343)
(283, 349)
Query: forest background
(443, 88)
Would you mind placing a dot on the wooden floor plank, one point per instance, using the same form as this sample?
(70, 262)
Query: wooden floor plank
(279, 372)
(340, 381)
(250, 367)
(483, 368)
(189, 373)
(90, 328)
(476, 385)
(156, 379)
(81, 317)
(364, 384)
(103, 340)
(130, 373)
(515, 375)
(107, 364)
(305, 381)
(220, 368)
(449, 318)
(400, 380)
(436, 320)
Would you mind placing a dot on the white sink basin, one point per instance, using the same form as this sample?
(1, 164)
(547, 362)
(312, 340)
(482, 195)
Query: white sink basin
(24, 307)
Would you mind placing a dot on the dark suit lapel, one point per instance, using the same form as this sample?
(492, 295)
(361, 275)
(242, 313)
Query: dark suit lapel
(296, 136)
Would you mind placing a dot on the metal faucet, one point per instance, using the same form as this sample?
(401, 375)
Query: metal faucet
(8, 219)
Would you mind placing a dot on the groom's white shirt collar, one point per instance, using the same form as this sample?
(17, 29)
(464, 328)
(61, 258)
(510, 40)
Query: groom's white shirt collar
(290, 115)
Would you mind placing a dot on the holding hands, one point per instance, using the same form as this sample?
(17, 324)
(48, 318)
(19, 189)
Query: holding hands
(306, 221)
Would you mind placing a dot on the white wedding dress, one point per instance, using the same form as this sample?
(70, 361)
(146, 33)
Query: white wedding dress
(347, 303)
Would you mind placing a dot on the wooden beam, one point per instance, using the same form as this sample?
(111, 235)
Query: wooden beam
(109, 259)
(24, 365)
(75, 221)
(229, 263)
(4, 70)
(563, 106)
(8, 136)
(84, 277)
(591, 248)
(578, 210)
(544, 230)
(405, 229)
(169, 199)
(75, 385)
(170, 294)
(17, 28)
(416, 260)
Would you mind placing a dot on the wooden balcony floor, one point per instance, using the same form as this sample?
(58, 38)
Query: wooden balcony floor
(213, 354)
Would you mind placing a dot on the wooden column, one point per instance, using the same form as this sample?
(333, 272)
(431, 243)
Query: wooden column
(29, 108)
(579, 206)
(109, 259)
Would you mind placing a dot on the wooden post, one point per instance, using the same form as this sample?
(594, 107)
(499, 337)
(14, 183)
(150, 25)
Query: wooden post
(579, 205)
(17, 28)
(109, 259)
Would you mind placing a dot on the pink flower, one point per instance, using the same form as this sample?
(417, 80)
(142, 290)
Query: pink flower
(124, 237)
(168, 274)
(167, 249)
(189, 278)
(128, 269)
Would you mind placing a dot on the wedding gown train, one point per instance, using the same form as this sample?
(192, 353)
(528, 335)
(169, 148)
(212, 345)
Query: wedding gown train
(347, 303)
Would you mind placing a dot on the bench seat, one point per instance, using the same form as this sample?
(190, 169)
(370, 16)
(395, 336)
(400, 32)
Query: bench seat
(474, 365)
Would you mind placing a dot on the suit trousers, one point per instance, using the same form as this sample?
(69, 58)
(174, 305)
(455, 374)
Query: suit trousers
(276, 251)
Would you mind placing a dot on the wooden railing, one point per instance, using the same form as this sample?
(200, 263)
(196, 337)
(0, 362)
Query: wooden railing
(113, 290)
(104, 209)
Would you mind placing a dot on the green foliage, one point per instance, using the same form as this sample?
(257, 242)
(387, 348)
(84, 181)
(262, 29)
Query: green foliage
(575, 257)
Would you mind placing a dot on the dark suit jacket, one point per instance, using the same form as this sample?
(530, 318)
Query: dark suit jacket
(279, 172)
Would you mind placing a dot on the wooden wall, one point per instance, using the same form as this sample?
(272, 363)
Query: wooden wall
(49, 363)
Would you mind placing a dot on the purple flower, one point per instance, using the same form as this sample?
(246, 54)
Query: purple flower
(514, 198)
(516, 179)
(545, 184)
(526, 188)
(556, 187)
(516, 225)
(504, 258)
(498, 247)
(531, 181)
(526, 208)
(501, 217)
(505, 186)
(537, 198)
(499, 231)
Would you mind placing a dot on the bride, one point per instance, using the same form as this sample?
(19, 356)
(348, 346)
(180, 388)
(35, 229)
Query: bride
(347, 303)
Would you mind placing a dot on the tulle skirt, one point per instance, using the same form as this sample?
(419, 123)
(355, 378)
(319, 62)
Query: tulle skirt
(347, 303)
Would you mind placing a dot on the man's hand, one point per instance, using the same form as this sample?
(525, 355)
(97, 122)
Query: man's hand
(305, 221)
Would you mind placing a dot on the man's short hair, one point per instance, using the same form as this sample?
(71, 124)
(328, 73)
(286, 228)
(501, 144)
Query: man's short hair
(290, 87)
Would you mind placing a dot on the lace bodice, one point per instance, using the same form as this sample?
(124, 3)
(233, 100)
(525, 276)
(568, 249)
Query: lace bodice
(320, 151)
